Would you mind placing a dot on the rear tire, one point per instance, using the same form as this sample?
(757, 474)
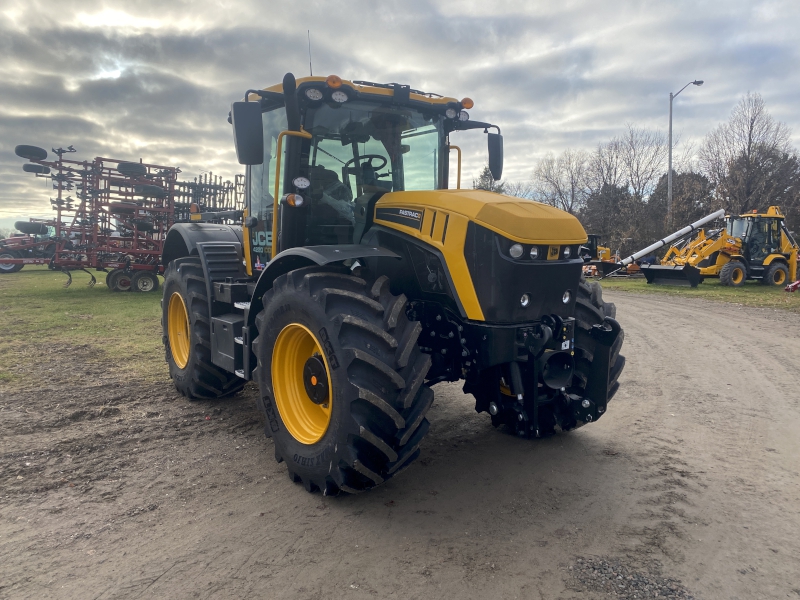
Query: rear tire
(9, 267)
(776, 274)
(378, 398)
(196, 376)
(733, 274)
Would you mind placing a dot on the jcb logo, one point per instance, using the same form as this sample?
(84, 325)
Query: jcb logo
(552, 253)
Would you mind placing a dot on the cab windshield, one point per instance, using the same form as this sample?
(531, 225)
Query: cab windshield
(737, 227)
(359, 149)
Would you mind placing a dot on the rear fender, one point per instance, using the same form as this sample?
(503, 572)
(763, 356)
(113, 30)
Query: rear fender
(182, 238)
(775, 258)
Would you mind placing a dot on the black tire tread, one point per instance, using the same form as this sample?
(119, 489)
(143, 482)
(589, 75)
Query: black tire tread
(384, 366)
(769, 274)
(205, 379)
(726, 273)
(590, 308)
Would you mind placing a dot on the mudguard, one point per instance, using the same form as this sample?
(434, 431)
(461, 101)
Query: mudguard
(306, 256)
(182, 238)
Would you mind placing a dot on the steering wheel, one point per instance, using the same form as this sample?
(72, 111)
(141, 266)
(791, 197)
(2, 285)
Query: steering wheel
(369, 162)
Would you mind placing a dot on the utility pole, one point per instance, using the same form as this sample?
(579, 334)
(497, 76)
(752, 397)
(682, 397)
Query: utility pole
(669, 166)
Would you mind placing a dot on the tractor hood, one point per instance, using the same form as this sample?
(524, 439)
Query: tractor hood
(521, 220)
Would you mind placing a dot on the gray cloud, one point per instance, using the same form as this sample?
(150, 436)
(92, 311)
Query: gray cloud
(155, 80)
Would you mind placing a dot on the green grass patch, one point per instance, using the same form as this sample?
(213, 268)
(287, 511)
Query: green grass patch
(751, 293)
(122, 328)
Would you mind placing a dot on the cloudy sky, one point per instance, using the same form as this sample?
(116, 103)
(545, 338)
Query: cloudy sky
(154, 79)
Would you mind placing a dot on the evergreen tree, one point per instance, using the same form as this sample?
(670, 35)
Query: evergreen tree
(485, 181)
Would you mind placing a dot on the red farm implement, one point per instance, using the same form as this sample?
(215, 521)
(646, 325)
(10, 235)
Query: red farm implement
(111, 216)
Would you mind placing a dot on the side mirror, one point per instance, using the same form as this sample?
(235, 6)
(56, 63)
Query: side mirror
(248, 132)
(496, 155)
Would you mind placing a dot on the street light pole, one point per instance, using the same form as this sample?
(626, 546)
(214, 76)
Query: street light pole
(669, 166)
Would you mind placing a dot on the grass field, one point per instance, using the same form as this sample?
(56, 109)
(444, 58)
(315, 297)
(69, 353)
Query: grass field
(120, 328)
(750, 294)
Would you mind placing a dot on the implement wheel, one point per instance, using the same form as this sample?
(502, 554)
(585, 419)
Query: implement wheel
(733, 274)
(118, 281)
(144, 281)
(776, 274)
(186, 334)
(341, 379)
(9, 267)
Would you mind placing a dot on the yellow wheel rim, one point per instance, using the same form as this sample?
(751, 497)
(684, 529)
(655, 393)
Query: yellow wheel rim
(737, 276)
(779, 277)
(178, 330)
(306, 420)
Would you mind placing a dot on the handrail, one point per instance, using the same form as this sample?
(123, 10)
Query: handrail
(276, 198)
(458, 177)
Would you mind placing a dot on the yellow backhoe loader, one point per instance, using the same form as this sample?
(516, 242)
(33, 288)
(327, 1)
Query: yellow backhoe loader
(357, 280)
(753, 246)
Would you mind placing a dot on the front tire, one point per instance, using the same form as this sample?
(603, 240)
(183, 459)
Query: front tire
(369, 423)
(186, 328)
(733, 274)
(590, 310)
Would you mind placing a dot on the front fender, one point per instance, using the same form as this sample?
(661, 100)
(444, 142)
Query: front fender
(307, 256)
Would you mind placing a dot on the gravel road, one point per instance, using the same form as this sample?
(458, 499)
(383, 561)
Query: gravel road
(689, 487)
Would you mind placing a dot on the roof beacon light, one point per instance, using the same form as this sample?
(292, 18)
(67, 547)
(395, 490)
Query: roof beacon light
(467, 103)
(194, 208)
(334, 81)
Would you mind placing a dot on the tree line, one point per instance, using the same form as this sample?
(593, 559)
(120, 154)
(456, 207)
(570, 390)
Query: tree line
(619, 190)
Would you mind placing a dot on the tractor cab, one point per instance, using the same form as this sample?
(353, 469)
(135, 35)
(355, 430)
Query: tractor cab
(760, 235)
(331, 155)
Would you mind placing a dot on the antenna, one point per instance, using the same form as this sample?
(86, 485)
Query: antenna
(310, 70)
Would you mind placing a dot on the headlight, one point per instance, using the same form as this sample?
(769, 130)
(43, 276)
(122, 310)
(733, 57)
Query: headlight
(566, 297)
(567, 252)
(339, 96)
(535, 252)
(463, 116)
(451, 113)
(301, 183)
(515, 251)
(525, 300)
(313, 94)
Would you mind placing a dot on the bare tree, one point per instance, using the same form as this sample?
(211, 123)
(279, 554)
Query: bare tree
(643, 154)
(563, 181)
(606, 167)
(519, 189)
(738, 156)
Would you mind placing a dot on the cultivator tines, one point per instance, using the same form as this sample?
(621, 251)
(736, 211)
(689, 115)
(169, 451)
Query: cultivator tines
(113, 216)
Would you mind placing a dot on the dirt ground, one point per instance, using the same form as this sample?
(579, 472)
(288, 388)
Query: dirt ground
(690, 485)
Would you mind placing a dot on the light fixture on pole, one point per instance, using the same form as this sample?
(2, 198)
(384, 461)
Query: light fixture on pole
(669, 166)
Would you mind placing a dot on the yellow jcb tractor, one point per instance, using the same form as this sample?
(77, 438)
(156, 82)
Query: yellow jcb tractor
(750, 246)
(358, 280)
